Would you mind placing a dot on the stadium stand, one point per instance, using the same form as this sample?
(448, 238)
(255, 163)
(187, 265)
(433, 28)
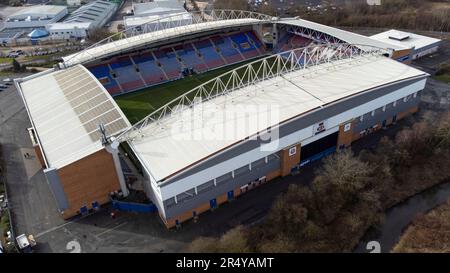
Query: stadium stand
(190, 58)
(149, 69)
(103, 73)
(208, 53)
(126, 74)
(231, 54)
(291, 41)
(132, 72)
(246, 46)
(168, 60)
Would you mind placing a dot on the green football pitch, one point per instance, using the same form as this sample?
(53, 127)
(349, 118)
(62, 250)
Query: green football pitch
(139, 104)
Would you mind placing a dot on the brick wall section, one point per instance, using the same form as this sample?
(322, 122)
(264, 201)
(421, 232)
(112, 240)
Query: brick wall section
(410, 111)
(38, 152)
(170, 223)
(345, 137)
(288, 162)
(87, 180)
(400, 53)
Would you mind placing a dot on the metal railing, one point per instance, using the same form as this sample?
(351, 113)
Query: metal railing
(249, 74)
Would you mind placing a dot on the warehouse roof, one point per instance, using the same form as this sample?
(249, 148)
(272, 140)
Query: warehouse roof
(95, 12)
(405, 39)
(158, 7)
(66, 108)
(45, 10)
(131, 21)
(188, 136)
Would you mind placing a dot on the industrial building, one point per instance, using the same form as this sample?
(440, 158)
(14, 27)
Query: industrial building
(144, 13)
(35, 16)
(87, 17)
(329, 87)
(419, 44)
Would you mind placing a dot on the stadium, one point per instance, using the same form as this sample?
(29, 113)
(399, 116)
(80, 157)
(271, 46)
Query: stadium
(156, 103)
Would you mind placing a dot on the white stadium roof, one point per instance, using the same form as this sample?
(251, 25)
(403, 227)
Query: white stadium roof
(126, 44)
(405, 39)
(346, 36)
(168, 151)
(66, 108)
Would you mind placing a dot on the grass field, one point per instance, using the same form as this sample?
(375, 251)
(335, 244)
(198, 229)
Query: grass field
(443, 78)
(4, 60)
(139, 104)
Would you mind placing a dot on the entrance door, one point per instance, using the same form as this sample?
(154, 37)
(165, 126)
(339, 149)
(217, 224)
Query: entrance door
(213, 203)
(230, 195)
(394, 118)
(83, 210)
(384, 124)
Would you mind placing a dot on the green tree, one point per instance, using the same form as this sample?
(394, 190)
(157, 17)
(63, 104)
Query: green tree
(16, 66)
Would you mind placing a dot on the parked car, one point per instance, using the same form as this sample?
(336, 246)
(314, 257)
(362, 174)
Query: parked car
(13, 55)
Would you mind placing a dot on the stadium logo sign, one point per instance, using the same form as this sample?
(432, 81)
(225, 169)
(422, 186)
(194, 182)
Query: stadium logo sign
(211, 122)
(320, 127)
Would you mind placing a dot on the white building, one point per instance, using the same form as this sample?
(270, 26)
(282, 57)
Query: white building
(157, 8)
(420, 45)
(68, 30)
(74, 3)
(152, 11)
(36, 16)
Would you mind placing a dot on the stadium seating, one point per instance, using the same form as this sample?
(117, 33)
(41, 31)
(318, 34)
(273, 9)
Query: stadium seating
(208, 53)
(136, 71)
(150, 71)
(103, 74)
(190, 58)
(231, 54)
(126, 73)
(170, 65)
(246, 46)
(291, 41)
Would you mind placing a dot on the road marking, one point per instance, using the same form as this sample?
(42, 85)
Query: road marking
(54, 228)
(111, 229)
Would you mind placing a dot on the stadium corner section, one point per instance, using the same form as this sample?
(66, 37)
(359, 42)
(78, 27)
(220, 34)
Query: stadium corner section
(72, 115)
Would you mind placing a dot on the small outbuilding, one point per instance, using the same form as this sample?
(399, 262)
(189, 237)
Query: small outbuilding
(421, 45)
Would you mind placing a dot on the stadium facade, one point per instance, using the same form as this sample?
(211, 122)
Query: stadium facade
(311, 88)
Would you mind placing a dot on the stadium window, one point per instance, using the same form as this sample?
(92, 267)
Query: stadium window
(372, 113)
(205, 186)
(415, 95)
(394, 103)
(361, 118)
(169, 202)
(384, 108)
